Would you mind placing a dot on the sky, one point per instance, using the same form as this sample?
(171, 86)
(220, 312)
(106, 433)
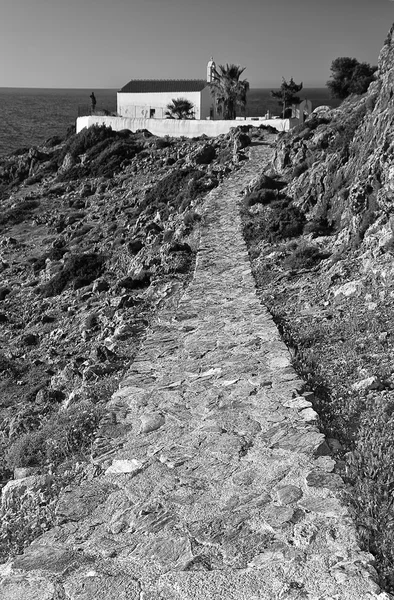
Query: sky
(105, 43)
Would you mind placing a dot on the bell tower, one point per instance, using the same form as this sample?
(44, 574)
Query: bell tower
(211, 66)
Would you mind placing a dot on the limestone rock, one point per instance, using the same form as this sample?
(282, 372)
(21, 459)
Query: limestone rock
(299, 403)
(132, 466)
(48, 557)
(288, 494)
(370, 383)
(14, 489)
(322, 479)
(151, 422)
(309, 415)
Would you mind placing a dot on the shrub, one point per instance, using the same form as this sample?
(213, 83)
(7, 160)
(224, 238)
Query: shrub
(27, 451)
(110, 158)
(178, 188)
(314, 121)
(280, 221)
(55, 140)
(84, 140)
(53, 254)
(7, 366)
(168, 190)
(271, 183)
(190, 218)
(80, 269)
(283, 221)
(371, 472)
(263, 196)
(62, 435)
(304, 257)
(163, 142)
(18, 214)
(319, 226)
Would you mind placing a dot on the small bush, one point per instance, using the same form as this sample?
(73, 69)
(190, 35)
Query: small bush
(319, 226)
(53, 254)
(18, 214)
(371, 472)
(84, 140)
(53, 141)
(80, 269)
(190, 218)
(271, 183)
(169, 189)
(64, 434)
(263, 196)
(178, 189)
(283, 221)
(304, 257)
(314, 121)
(27, 451)
(164, 142)
(7, 366)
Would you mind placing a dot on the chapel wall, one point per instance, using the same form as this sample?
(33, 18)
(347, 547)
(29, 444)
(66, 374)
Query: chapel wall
(140, 105)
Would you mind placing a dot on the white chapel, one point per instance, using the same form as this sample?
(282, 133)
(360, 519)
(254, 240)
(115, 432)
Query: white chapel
(148, 98)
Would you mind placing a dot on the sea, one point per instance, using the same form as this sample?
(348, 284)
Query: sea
(29, 116)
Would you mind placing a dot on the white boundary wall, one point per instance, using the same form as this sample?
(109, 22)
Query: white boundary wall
(178, 128)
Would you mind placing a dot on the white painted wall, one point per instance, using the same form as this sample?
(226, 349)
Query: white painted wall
(207, 102)
(178, 128)
(131, 105)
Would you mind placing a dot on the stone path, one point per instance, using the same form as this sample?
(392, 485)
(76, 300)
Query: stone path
(224, 489)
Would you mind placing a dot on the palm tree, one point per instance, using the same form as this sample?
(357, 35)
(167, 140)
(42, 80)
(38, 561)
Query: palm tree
(228, 91)
(180, 108)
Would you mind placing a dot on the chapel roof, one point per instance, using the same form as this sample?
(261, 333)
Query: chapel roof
(149, 86)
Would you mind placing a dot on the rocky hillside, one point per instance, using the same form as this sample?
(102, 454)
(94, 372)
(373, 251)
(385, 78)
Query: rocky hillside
(96, 233)
(320, 228)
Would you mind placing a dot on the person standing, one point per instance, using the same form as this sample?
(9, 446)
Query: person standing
(93, 102)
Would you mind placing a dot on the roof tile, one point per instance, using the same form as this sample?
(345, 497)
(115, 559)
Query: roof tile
(141, 86)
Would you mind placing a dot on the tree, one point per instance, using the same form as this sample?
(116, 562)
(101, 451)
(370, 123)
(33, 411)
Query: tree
(349, 77)
(287, 94)
(180, 108)
(228, 90)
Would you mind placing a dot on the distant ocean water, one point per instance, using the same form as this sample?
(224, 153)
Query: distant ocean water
(30, 116)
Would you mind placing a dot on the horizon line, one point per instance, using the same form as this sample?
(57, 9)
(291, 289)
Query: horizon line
(112, 89)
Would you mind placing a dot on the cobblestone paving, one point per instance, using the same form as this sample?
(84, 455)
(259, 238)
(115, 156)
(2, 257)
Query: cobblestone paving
(224, 489)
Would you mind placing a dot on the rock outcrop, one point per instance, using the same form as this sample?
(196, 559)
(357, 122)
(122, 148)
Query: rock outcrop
(340, 168)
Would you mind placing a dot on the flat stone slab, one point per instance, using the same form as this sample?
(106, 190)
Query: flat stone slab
(223, 489)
